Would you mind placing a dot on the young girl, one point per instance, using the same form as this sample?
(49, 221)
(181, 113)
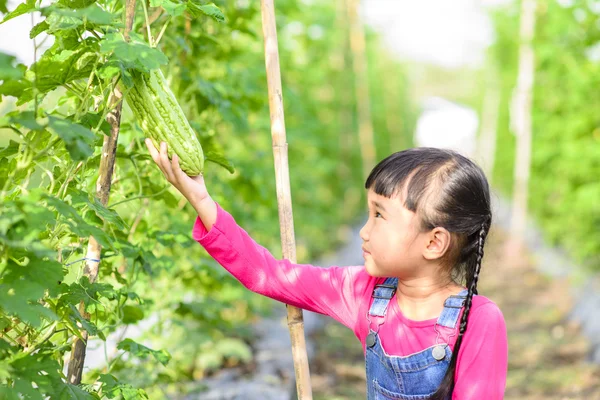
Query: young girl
(424, 334)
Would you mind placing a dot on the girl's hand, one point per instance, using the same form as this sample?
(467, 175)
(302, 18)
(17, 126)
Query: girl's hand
(193, 188)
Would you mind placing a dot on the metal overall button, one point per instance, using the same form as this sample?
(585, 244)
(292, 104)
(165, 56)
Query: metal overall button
(439, 352)
(371, 339)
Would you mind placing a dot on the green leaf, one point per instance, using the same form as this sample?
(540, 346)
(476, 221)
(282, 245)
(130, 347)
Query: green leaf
(132, 314)
(108, 215)
(138, 350)
(112, 389)
(25, 119)
(8, 69)
(212, 150)
(60, 18)
(76, 222)
(39, 369)
(54, 69)
(90, 120)
(136, 54)
(23, 8)
(171, 7)
(10, 150)
(77, 138)
(38, 28)
(3, 8)
(68, 391)
(22, 284)
(89, 293)
(76, 316)
(220, 159)
(76, 3)
(210, 10)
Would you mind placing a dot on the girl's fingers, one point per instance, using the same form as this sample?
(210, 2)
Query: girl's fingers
(153, 152)
(165, 163)
(177, 171)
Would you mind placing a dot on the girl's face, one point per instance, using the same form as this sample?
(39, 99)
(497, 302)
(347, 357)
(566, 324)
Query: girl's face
(392, 240)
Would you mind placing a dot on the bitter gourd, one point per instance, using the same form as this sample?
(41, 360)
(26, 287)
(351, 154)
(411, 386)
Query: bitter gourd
(161, 118)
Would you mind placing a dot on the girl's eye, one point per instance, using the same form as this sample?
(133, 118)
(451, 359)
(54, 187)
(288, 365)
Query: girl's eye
(375, 214)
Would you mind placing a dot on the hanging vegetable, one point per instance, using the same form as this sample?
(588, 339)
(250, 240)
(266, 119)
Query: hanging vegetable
(161, 118)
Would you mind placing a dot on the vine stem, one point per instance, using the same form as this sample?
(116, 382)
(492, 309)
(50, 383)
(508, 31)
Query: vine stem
(147, 23)
(162, 31)
(139, 197)
(51, 331)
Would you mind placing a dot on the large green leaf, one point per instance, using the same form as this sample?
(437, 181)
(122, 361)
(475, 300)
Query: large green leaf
(8, 68)
(138, 350)
(54, 69)
(136, 54)
(173, 8)
(113, 389)
(21, 9)
(209, 10)
(60, 18)
(77, 138)
(22, 284)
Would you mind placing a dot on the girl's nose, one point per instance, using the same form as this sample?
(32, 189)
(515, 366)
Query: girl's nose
(363, 233)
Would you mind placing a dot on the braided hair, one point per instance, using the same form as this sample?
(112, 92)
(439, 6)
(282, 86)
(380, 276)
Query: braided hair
(446, 387)
(446, 190)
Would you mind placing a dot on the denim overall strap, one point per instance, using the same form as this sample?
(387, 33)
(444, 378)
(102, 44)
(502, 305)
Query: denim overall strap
(382, 294)
(451, 311)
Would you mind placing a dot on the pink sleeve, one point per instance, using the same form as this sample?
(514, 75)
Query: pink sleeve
(334, 291)
(483, 359)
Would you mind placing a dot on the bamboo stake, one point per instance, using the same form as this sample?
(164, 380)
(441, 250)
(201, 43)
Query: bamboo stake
(284, 198)
(107, 164)
(352, 195)
(521, 123)
(359, 62)
(391, 99)
(486, 144)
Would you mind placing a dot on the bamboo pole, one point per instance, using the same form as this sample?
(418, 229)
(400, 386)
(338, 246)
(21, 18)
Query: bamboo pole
(341, 63)
(359, 63)
(107, 164)
(521, 124)
(391, 99)
(486, 144)
(284, 198)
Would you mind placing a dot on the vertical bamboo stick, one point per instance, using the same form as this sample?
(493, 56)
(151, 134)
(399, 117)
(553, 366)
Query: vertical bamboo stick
(393, 111)
(359, 63)
(284, 198)
(486, 143)
(341, 61)
(107, 163)
(521, 122)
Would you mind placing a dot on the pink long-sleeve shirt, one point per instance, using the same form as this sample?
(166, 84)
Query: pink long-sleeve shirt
(344, 293)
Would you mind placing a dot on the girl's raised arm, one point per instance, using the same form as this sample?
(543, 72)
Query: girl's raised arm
(334, 291)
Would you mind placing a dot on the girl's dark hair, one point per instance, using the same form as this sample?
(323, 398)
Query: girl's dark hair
(445, 189)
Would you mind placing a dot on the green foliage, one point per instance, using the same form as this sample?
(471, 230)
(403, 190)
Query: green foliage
(564, 186)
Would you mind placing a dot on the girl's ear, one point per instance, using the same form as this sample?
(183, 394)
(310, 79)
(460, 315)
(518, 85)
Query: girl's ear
(437, 243)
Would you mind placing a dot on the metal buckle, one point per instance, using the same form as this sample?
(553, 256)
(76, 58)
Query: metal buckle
(455, 297)
(387, 287)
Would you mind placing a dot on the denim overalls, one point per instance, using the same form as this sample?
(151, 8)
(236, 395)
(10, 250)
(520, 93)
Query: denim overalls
(412, 377)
